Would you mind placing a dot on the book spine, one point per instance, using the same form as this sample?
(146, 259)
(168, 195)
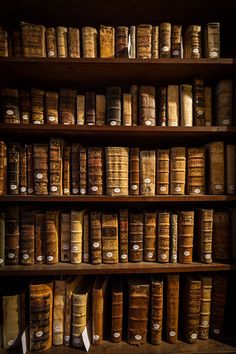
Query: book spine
(186, 233)
(86, 239)
(134, 162)
(73, 42)
(218, 303)
(89, 41)
(110, 252)
(83, 170)
(208, 105)
(11, 320)
(96, 237)
(77, 221)
(79, 318)
(13, 176)
(67, 106)
(95, 170)
(58, 312)
(177, 170)
(192, 47)
(186, 105)
(122, 39)
(66, 169)
(165, 40)
(10, 105)
(12, 235)
(100, 109)
(117, 313)
(51, 107)
(155, 42)
(196, 171)
(134, 94)
(136, 233)
(205, 233)
(98, 310)
(3, 43)
(62, 47)
(147, 172)
(37, 102)
(132, 41)
(127, 109)
(144, 41)
(205, 308)
(230, 169)
(27, 238)
(150, 236)
(30, 169)
(51, 42)
(233, 234)
(3, 168)
(223, 102)
(147, 106)
(55, 163)
(173, 105)
(198, 102)
(212, 40)
(33, 40)
(174, 238)
(216, 168)
(80, 104)
(156, 311)
(172, 311)
(117, 170)
(221, 232)
(176, 39)
(114, 106)
(123, 235)
(163, 171)
(40, 169)
(51, 237)
(2, 239)
(25, 106)
(107, 42)
(90, 106)
(65, 237)
(162, 107)
(39, 238)
(74, 168)
(163, 238)
(17, 43)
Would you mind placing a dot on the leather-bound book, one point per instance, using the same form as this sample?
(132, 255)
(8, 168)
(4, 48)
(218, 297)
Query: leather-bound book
(96, 237)
(89, 41)
(165, 40)
(186, 234)
(17, 43)
(13, 175)
(147, 172)
(138, 310)
(218, 303)
(155, 42)
(66, 169)
(67, 105)
(134, 161)
(208, 105)
(205, 233)
(74, 168)
(40, 316)
(25, 106)
(65, 237)
(150, 236)
(41, 168)
(117, 300)
(110, 251)
(147, 106)
(163, 237)
(156, 309)
(33, 40)
(223, 102)
(39, 238)
(30, 169)
(172, 308)
(127, 109)
(37, 102)
(90, 106)
(117, 171)
(212, 40)
(98, 309)
(176, 41)
(62, 46)
(136, 235)
(107, 41)
(198, 102)
(10, 105)
(95, 170)
(51, 237)
(177, 170)
(55, 163)
(123, 235)
(132, 38)
(196, 171)
(173, 105)
(192, 42)
(73, 42)
(51, 42)
(122, 41)
(233, 234)
(230, 169)
(114, 106)
(216, 163)
(205, 308)
(86, 238)
(100, 109)
(162, 107)
(77, 221)
(11, 327)
(51, 107)
(83, 170)
(27, 238)
(3, 167)
(186, 105)
(162, 171)
(144, 41)
(3, 43)
(221, 236)
(174, 238)
(134, 93)
(80, 108)
(2, 239)
(58, 312)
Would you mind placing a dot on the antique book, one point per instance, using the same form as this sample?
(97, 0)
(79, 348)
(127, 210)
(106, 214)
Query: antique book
(80, 105)
(174, 243)
(83, 170)
(10, 105)
(162, 171)
(176, 41)
(163, 237)
(192, 42)
(55, 163)
(233, 233)
(198, 102)
(230, 169)
(13, 169)
(65, 237)
(196, 183)
(51, 237)
(74, 168)
(117, 299)
(113, 106)
(37, 106)
(39, 237)
(23, 171)
(67, 169)
(185, 236)
(205, 234)
(95, 173)
(134, 172)
(67, 106)
(136, 235)
(139, 290)
(123, 235)
(86, 238)
(3, 43)
(132, 40)
(165, 40)
(147, 172)
(58, 312)
(62, 46)
(33, 40)
(223, 102)
(177, 170)
(127, 109)
(144, 41)
(173, 105)
(216, 165)
(27, 238)
(90, 106)
(96, 237)
(76, 239)
(162, 107)
(221, 236)
(89, 42)
(25, 106)
(107, 41)
(3, 167)
(100, 109)
(155, 42)
(73, 42)
(51, 42)
(212, 40)
(117, 170)
(98, 309)
(147, 106)
(40, 161)
(11, 319)
(2, 239)
(150, 236)
(134, 102)
(205, 308)
(17, 43)
(122, 42)
(110, 251)
(218, 303)
(208, 105)
(51, 107)
(186, 105)
(156, 309)
(40, 315)
(172, 307)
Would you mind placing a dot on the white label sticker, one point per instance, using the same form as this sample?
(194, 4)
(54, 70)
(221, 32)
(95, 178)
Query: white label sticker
(172, 333)
(200, 113)
(150, 255)
(178, 189)
(86, 256)
(113, 122)
(67, 338)
(25, 116)
(163, 256)
(213, 54)
(207, 256)
(1, 261)
(174, 124)
(30, 190)
(58, 329)
(195, 50)
(75, 248)
(50, 258)
(11, 342)
(147, 180)
(80, 123)
(66, 247)
(134, 187)
(39, 334)
(226, 122)
(174, 256)
(51, 53)
(165, 48)
(37, 122)
(197, 190)
(194, 335)
(66, 190)
(205, 323)
(39, 175)
(138, 337)
(155, 326)
(231, 187)
(96, 244)
(135, 247)
(162, 189)
(94, 188)
(95, 336)
(10, 255)
(186, 253)
(176, 52)
(75, 190)
(116, 335)
(207, 124)
(51, 119)
(109, 254)
(148, 123)
(216, 331)
(90, 123)
(25, 256)
(9, 112)
(76, 341)
(82, 191)
(40, 258)
(123, 256)
(117, 190)
(13, 186)
(218, 186)
(53, 188)
(23, 189)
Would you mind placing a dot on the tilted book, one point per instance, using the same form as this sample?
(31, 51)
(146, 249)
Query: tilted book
(136, 234)
(147, 172)
(110, 252)
(27, 238)
(107, 41)
(147, 106)
(150, 236)
(113, 106)
(205, 234)
(165, 40)
(51, 237)
(117, 170)
(186, 233)
(177, 170)
(33, 40)
(89, 42)
(163, 237)
(196, 171)
(144, 41)
(162, 171)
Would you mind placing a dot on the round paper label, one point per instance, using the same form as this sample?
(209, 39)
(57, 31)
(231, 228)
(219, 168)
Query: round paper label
(39, 334)
(134, 187)
(148, 123)
(66, 190)
(37, 122)
(200, 113)
(58, 329)
(176, 52)
(172, 333)
(65, 247)
(10, 255)
(204, 323)
(186, 253)
(197, 190)
(178, 189)
(39, 175)
(174, 124)
(226, 121)
(40, 258)
(194, 335)
(231, 187)
(123, 256)
(113, 122)
(76, 340)
(138, 337)
(51, 119)
(162, 189)
(11, 342)
(67, 338)
(117, 190)
(50, 258)
(75, 191)
(30, 190)
(1, 261)
(95, 337)
(163, 256)
(23, 189)
(195, 50)
(25, 116)
(9, 112)
(174, 256)
(25, 256)
(147, 180)
(207, 256)
(109, 254)
(116, 335)
(207, 124)
(135, 247)
(165, 48)
(53, 188)
(75, 248)
(96, 244)
(213, 54)
(216, 331)
(218, 186)
(94, 188)
(155, 326)
(150, 255)
(82, 191)
(13, 186)
(51, 53)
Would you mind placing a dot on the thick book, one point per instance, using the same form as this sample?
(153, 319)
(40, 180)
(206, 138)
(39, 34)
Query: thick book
(89, 42)
(65, 237)
(134, 101)
(98, 309)
(172, 308)
(2, 239)
(90, 108)
(30, 169)
(173, 105)
(73, 165)
(216, 164)
(107, 41)
(144, 41)
(117, 171)
(83, 170)
(51, 107)
(27, 238)
(62, 40)
(186, 105)
(165, 40)
(156, 309)
(162, 107)
(11, 316)
(205, 307)
(198, 102)
(80, 109)
(223, 102)
(55, 163)
(113, 106)
(95, 170)
(3, 43)
(196, 183)
(218, 304)
(3, 167)
(12, 235)
(147, 106)
(77, 220)
(136, 235)
(177, 170)
(23, 170)
(174, 237)
(51, 237)
(123, 235)
(96, 237)
(186, 233)
(25, 106)
(163, 237)
(150, 236)
(134, 172)
(155, 42)
(221, 236)
(100, 109)
(117, 303)
(51, 42)
(122, 42)
(13, 167)
(176, 41)
(230, 169)
(162, 171)
(212, 40)
(67, 106)
(37, 106)
(192, 42)
(208, 106)
(58, 312)
(33, 40)
(40, 168)
(205, 234)
(73, 42)
(10, 105)
(127, 109)
(67, 169)
(147, 172)
(110, 252)
(39, 237)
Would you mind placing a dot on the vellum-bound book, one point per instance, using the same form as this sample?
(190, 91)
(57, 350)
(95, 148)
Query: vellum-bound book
(172, 307)
(3, 168)
(216, 167)
(205, 308)
(136, 233)
(165, 40)
(163, 169)
(163, 237)
(117, 170)
(144, 41)
(10, 105)
(173, 105)
(205, 234)
(51, 237)
(65, 233)
(147, 106)
(186, 105)
(76, 239)
(177, 170)
(224, 102)
(33, 39)
(156, 309)
(51, 42)
(196, 171)
(107, 41)
(212, 40)
(147, 172)
(37, 104)
(132, 40)
(58, 312)
(62, 46)
(186, 233)
(89, 42)
(122, 41)
(110, 252)
(150, 236)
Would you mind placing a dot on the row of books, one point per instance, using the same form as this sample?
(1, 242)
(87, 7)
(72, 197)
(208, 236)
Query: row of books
(61, 169)
(137, 311)
(95, 236)
(173, 105)
(141, 41)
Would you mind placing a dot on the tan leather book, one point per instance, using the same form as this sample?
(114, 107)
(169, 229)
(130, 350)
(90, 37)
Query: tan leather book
(134, 172)
(136, 235)
(25, 106)
(134, 92)
(65, 237)
(110, 251)
(30, 169)
(83, 170)
(107, 41)
(58, 312)
(27, 238)
(174, 243)
(147, 106)
(122, 41)
(39, 238)
(51, 107)
(2, 239)
(17, 42)
(132, 38)
(3, 168)
(51, 237)
(138, 310)
(80, 104)
(223, 102)
(218, 304)
(100, 109)
(196, 183)
(155, 42)
(3, 43)
(10, 105)
(117, 171)
(96, 237)
(37, 106)
(186, 233)
(77, 221)
(173, 105)
(230, 169)
(208, 106)
(11, 320)
(205, 308)
(162, 107)
(127, 109)
(123, 235)
(74, 168)
(73, 42)
(156, 309)
(86, 239)
(89, 42)
(172, 307)
(198, 102)
(51, 42)
(40, 161)
(186, 105)
(165, 40)
(216, 168)
(144, 41)
(67, 106)
(55, 163)
(177, 170)
(117, 296)
(90, 106)
(33, 40)
(113, 106)
(221, 236)
(62, 46)
(98, 309)
(192, 42)
(13, 173)
(67, 169)
(162, 171)
(95, 170)
(176, 41)
(147, 172)
(205, 234)
(150, 236)
(212, 40)
(163, 237)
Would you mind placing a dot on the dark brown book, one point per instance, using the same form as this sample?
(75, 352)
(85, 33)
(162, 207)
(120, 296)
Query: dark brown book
(165, 40)
(33, 40)
(174, 239)
(110, 252)
(123, 235)
(196, 171)
(212, 40)
(144, 41)
(122, 41)
(216, 167)
(163, 237)
(66, 169)
(221, 236)
(90, 108)
(208, 106)
(198, 103)
(224, 102)
(114, 106)
(147, 106)
(80, 107)
(17, 43)
(100, 109)
(65, 237)
(3, 167)
(117, 310)
(176, 41)
(134, 161)
(3, 42)
(162, 107)
(134, 102)
(205, 234)
(162, 171)
(98, 309)
(39, 238)
(73, 42)
(51, 107)
(74, 168)
(27, 238)
(150, 236)
(117, 170)
(41, 168)
(192, 42)
(83, 170)
(172, 308)
(2, 242)
(96, 237)
(51, 42)
(10, 105)
(25, 106)
(13, 173)
(55, 163)
(205, 309)
(37, 106)
(230, 151)
(30, 169)
(147, 172)
(67, 106)
(23, 170)
(186, 233)
(51, 237)
(177, 170)
(95, 170)
(218, 304)
(156, 309)
(12, 235)
(136, 234)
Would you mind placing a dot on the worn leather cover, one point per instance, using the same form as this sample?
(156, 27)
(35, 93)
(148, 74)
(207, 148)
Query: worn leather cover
(86, 239)
(40, 169)
(117, 299)
(172, 307)
(90, 108)
(136, 235)
(95, 170)
(3, 168)
(162, 171)
(65, 237)
(127, 109)
(186, 233)
(156, 309)
(73, 42)
(11, 320)
(39, 237)
(123, 235)
(55, 163)
(98, 309)
(113, 105)
(216, 152)
(177, 170)
(27, 238)
(196, 183)
(147, 172)
(212, 40)
(174, 238)
(173, 105)
(13, 176)
(77, 220)
(134, 172)
(58, 312)
(192, 42)
(10, 105)
(221, 235)
(165, 40)
(205, 309)
(33, 40)
(30, 169)
(62, 40)
(100, 109)
(198, 102)
(110, 252)
(51, 42)
(218, 303)
(96, 237)
(147, 105)
(208, 106)
(155, 42)
(150, 235)
(117, 171)
(67, 106)
(74, 169)
(134, 93)
(107, 41)
(25, 106)
(122, 41)
(186, 105)
(83, 170)
(12, 235)
(162, 107)
(37, 106)
(51, 107)
(163, 238)
(80, 105)
(3, 43)
(89, 40)
(205, 234)
(132, 49)
(230, 169)
(144, 41)
(23, 170)
(17, 43)
(51, 237)
(176, 40)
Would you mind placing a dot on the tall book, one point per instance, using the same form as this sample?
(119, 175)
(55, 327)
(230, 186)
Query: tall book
(186, 105)
(110, 252)
(123, 235)
(172, 307)
(39, 238)
(162, 171)
(216, 167)
(134, 101)
(17, 45)
(37, 106)
(122, 41)
(221, 236)
(51, 107)
(51, 237)
(198, 102)
(58, 312)
(173, 105)
(12, 235)
(55, 163)
(3, 167)
(2, 239)
(67, 106)
(67, 169)
(33, 40)
(62, 40)
(212, 40)
(134, 161)
(107, 41)
(83, 170)
(77, 220)
(80, 109)
(205, 308)
(132, 39)
(150, 235)
(176, 41)
(144, 41)
(223, 102)
(208, 106)
(230, 169)
(11, 319)
(90, 106)
(196, 171)
(40, 168)
(233, 234)
(163, 237)
(155, 42)
(51, 42)
(177, 170)
(127, 109)
(95, 170)
(23, 170)
(65, 237)
(10, 105)
(3, 42)
(13, 175)
(98, 309)
(86, 239)
(186, 233)
(147, 172)
(100, 109)
(73, 42)
(96, 237)
(113, 106)
(205, 234)
(30, 168)
(162, 107)
(136, 233)
(156, 309)
(117, 300)
(25, 106)
(192, 42)
(165, 40)
(147, 106)
(174, 239)
(218, 303)
(89, 42)
(74, 169)
(27, 238)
